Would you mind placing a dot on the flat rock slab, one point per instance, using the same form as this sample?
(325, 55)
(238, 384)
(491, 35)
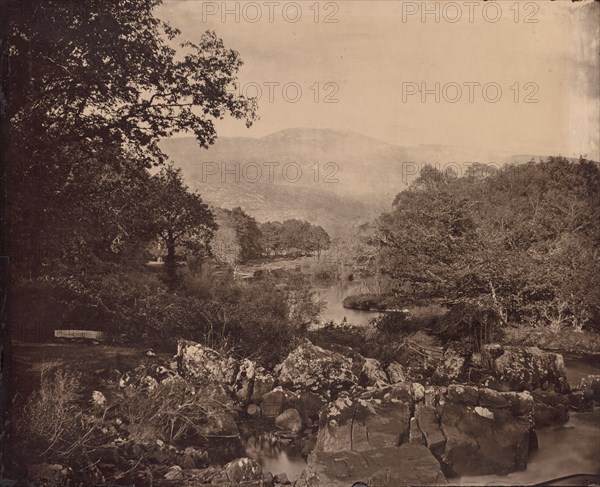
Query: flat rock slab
(408, 464)
(359, 425)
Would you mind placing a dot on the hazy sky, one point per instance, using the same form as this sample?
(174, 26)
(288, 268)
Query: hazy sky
(379, 52)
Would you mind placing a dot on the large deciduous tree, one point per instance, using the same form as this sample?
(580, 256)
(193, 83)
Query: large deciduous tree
(179, 217)
(92, 77)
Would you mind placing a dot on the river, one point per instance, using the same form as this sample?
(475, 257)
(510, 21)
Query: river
(564, 450)
(569, 449)
(334, 311)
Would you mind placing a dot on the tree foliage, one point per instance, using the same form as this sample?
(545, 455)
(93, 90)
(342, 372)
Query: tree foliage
(92, 88)
(179, 217)
(239, 239)
(294, 236)
(516, 245)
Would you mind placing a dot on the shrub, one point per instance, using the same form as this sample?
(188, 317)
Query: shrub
(335, 334)
(52, 416)
(394, 323)
(371, 302)
(53, 426)
(471, 325)
(172, 410)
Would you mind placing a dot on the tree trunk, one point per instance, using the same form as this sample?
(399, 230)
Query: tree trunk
(170, 262)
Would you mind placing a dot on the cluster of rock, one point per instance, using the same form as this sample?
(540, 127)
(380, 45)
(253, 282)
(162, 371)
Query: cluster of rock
(359, 421)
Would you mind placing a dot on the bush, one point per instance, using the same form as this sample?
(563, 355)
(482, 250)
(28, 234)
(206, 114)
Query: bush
(394, 323)
(418, 318)
(52, 416)
(335, 334)
(55, 428)
(470, 325)
(174, 411)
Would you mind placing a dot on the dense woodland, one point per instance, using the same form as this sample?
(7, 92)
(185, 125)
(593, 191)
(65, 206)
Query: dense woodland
(516, 245)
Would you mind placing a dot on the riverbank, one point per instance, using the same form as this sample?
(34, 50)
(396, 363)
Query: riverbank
(564, 340)
(274, 421)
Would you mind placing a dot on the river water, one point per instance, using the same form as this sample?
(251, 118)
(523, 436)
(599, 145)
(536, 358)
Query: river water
(335, 311)
(573, 448)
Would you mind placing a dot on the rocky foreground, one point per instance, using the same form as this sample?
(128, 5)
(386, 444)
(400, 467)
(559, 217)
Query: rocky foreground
(352, 419)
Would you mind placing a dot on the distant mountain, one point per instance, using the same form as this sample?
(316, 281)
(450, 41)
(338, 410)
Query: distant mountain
(326, 176)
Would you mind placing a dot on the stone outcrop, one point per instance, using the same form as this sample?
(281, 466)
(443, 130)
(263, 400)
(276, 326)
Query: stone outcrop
(408, 464)
(590, 386)
(272, 403)
(241, 378)
(489, 436)
(370, 373)
(195, 361)
(429, 425)
(525, 368)
(289, 420)
(243, 470)
(375, 425)
(363, 424)
(550, 409)
(263, 383)
(396, 373)
(311, 368)
(451, 369)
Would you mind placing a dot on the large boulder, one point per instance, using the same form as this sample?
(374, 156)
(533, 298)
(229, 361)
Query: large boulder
(263, 383)
(408, 464)
(244, 380)
(308, 404)
(311, 368)
(429, 424)
(289, 420)
(198, 363)
(485, 439)
(452, 368)
(550, 408)
(195, 361)
(525, 368)
(396, 373)
(243, 470)
(369, 372)
(272, 403)
(360, 425)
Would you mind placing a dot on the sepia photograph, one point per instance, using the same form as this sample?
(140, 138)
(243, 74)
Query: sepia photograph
(304, 243)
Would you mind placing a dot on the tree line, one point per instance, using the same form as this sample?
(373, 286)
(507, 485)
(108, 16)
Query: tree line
(295, 237)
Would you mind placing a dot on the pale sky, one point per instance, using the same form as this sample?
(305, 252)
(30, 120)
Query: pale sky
(379, 49)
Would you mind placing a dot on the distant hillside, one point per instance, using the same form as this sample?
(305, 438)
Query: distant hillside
(329, 177)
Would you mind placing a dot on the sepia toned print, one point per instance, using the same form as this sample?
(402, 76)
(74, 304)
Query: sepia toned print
(306, 243)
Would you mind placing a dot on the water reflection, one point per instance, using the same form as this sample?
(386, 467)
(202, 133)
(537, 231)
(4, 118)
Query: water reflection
(569, 449)
(275, 454)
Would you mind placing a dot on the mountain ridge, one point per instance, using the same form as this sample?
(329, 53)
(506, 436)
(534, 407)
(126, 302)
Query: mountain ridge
(332, 176)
